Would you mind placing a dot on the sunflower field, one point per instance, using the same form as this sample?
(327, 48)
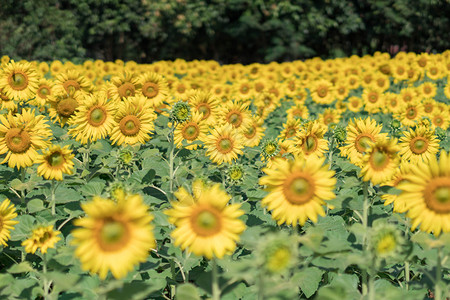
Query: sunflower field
(315, 179)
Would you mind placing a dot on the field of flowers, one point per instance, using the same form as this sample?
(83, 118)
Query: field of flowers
(324, 179)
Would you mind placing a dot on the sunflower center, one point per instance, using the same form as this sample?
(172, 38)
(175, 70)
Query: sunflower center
(44, 238)
(206, 221)
(97, 116)
(270, 149)
(328, 119)
(67, 107)
(437, 195)
(355, 103)
(55, 159)
(71, 86)
(411, 113)
(379, 159)
(191, 131)
(234, 118)
(224, 145)
(236, 174)
(428, 108)
(310, 144)
(205, 110)
(373, 98)
(251, 132)
(113, 235)
(279, 259)
(322, 91)
(438, 120)
(427, 90)
(43, 91)
(126, 90)
(386, 245)
(17, 140)
(418, 145)
(150, 90)
(18, 81)
(130, 125)
(299, 188)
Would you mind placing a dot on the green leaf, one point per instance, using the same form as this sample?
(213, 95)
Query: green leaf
(65, 195)
(308, 280)
(21, 268)
(187, 291)
(23, 229)
(92, 189)
(35, 205)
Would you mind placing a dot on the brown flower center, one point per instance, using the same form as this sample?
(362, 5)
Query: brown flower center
(418, 145)
(67, 107)
(411, 113)
(71, 85)
(234, 117)
(190, 131)
(150, 89)
(127, 89)
(224, 145)
(112, 235)
(206, 221)
(97, 116)
(251, 132)
(379, 160)
(17, 140)
(362, 142)
(18, 80)
(55, 159)
(322, 91)
(204, 109)
(130, 125)
(299, 188)
(437, 195)
(310, 145)
(43, 91)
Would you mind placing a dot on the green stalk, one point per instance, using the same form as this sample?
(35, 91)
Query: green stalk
(437, 284)
(261, 286)
(52, 199)
(174, 278)
(365, 220)
(44, 271)
(171, 161)
(215, 281)
(407, 279)
(22, 179)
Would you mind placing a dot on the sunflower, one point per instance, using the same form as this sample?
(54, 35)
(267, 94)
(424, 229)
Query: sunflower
(123, 86)
(205, 223)
(310, 140)
(63, 105)
(154, 87)
(329, 116)
(44, 91)
(237, 114)
(72, 80)
(297, 189)
(6, 102)
(355, 104)
(224, 144)
(94, 118)
(55, 161)
(7, 214)
(440, 119)
(381, 160)
(42, 237)
(133, 121)
(252, 135)
(114, 236)
(427, 89)
(21, 136)
(19, 81)
(322, 91)
(206, 104)
(427, 194)
(298, 111)
(290, 128)
(400, 176)
(411, 113)
(373, 100)
(360, 133)
(419, 144)
(392, 103)
(190, 131)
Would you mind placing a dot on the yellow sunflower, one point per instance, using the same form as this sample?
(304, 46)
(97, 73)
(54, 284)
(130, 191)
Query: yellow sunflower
(400, 176)
(237, 114)
(411, 113)
(94, 118)
(355, 104)
(381, 160)
(206, 224)
(360, 133)
(373, 100)
(440, 119)
(63, 105)
(290, 128)
(223, 144)
(72, 80)
(43, 92)
(55, 161)
(7, 214)
(427, 194)
(154, 87)
(329, 116)
(42, 237)
(123, 86)
(205, 103)
(322, 91)
(114, 236)
(297, 189)
(190, 131)
(419, 144)
(21, 136)
(133, 121)
(252, 135)
(19, 81)
(298, 111)
(310, 140)
(6, 102)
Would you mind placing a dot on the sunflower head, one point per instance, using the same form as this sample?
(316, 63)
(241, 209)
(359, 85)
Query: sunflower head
(118, 191)
(236, 174)
(42, 237)
(386, 241)
(270, 148)
(180, 112)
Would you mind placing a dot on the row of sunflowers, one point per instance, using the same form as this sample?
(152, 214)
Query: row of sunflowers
(185, 180)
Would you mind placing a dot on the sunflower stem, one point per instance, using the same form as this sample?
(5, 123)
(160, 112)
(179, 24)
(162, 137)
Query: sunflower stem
(330, 154)
(174, 278)
(44, 271)
(365, 217)
(215, 281)
(407, 275)
(171, 161)
(22, 179)
(437, 283)
(261, 286)
(52, 199)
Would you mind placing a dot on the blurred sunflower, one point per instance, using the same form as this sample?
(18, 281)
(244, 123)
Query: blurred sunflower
(206, 224)
(42, 237)
(94, 118)
(63, 105)
(310, 139)
(54, 162)
(297, 189)
(7, 214)
(114, 236)
(426, 193)
(72, 80)
(411, 113)
(236, 114)
(223, 144)
(154, 87)
(6, 102)
(355, 104)
(133, 121)
(123, 86)
(254, 133)
(206, 104)
(19, 81)
(298, 111)
(44, 91)
(400, 176)
(322, 91)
